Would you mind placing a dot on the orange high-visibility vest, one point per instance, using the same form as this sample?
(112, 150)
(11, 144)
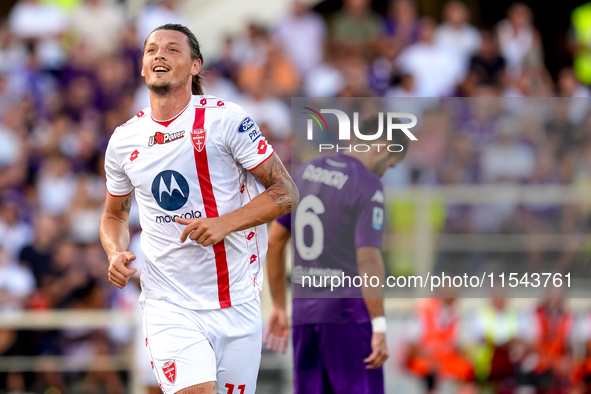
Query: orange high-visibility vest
(553, 333)
(438, 338)
(438, 345)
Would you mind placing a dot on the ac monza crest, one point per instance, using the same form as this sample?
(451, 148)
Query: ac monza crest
(169, 369)
(198, 138)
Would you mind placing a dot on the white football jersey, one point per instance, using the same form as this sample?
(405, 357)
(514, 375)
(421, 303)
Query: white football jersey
(194, 165)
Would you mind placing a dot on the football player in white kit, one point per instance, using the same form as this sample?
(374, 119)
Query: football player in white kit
(192, 161)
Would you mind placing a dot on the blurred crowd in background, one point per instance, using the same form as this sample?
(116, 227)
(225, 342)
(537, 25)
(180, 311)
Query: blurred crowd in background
(496, 348)
(69, 76)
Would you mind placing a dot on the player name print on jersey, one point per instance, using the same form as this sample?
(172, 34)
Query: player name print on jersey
(335, 179)
(170, 190)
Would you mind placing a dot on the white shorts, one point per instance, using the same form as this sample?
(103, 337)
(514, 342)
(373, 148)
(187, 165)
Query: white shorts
(189, 347)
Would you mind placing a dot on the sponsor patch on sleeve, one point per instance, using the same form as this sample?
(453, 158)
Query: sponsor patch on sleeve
(254, 134)
(250, 127)
(377, 221)
(246, 125)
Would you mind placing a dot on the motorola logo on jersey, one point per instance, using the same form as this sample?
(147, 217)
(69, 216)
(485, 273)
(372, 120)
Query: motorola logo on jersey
(170, 190)
(172, 218)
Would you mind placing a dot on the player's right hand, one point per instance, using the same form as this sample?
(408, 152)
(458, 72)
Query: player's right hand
(119, 274)
(379, 351)
(277, 334)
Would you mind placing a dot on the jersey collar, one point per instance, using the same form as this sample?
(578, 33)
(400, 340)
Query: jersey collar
(166, 123)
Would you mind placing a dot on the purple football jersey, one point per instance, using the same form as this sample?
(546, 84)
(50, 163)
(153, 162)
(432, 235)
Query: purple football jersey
(341, 209)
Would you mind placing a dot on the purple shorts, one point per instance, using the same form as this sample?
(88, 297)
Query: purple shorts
(328, 358)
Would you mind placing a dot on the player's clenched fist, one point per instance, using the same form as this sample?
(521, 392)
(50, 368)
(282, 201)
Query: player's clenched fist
(119, 274)
(203, 231)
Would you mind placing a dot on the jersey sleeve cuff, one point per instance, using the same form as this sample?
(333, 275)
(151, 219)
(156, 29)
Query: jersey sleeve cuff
(368, 245)
(119, 195)
(264, 160)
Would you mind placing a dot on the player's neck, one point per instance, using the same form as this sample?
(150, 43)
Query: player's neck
(167, 107)
(365, 158)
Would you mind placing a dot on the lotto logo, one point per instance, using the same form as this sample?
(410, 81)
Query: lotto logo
(262, 148)
(249, 237)
(253, 258)
(134, 155)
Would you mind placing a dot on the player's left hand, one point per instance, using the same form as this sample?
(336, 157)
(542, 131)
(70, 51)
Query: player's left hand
(379, 351)
(204, 231)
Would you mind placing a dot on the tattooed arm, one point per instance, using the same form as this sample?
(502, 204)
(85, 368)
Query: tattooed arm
(280, 197)
(114, 233)
(283, 193)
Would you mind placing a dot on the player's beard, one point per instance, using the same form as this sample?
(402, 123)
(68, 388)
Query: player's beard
(381, 166)
(167, 88)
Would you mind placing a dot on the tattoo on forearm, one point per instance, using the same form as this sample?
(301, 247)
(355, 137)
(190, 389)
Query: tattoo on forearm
(126, 206)
(280, 197)
(280, 191)
(117, 219)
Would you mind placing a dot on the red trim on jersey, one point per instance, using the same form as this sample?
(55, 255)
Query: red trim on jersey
(256, 235)
(211, 210)
(144, 307)
(262, 161)
(166, 123)
(124, 195)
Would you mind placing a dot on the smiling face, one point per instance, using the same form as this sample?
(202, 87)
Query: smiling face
(167, 64)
